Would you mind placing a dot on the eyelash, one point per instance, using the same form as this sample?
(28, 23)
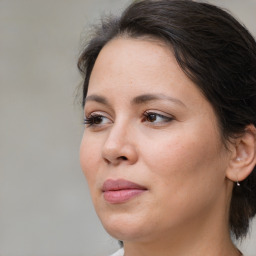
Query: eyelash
(91, 120)
(149, 114)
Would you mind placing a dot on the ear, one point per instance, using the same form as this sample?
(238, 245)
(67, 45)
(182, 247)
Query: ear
(243, 155)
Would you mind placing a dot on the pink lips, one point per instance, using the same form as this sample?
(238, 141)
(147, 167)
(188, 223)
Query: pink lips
(120, 191)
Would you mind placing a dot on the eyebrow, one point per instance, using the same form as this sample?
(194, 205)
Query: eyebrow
(97, 98)
(141, 99)
(144, 98)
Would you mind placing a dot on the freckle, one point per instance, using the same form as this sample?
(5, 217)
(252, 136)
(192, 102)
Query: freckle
(131, 83)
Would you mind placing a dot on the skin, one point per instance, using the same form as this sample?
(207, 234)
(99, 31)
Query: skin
(177, 154)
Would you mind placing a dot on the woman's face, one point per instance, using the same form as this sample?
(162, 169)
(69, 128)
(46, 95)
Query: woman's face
(152, 152)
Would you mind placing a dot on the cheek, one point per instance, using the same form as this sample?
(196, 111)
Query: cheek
(170, 153)
(89, 158)
(187, 176)
(186, 160)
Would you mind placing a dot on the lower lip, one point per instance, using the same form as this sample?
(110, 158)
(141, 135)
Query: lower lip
(121, 196)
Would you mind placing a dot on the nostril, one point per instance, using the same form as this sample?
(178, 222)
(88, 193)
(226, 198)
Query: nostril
(123, 158)
(116, 160)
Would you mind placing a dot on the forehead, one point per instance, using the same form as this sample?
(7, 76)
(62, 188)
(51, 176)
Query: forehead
(137, 66)
(134, 61)
(128, 54)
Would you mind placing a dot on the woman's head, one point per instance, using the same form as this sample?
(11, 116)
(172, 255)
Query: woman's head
(217, 56)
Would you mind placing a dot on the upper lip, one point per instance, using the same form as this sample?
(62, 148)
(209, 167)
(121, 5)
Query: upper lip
(120, 184)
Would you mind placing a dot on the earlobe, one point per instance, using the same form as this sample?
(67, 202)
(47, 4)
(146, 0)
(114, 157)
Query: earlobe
(243, 157)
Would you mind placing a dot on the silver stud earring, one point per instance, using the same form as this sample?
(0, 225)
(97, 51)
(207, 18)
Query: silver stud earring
(237, 182)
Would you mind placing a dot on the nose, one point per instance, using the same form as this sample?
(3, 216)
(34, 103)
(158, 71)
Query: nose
(119, 146)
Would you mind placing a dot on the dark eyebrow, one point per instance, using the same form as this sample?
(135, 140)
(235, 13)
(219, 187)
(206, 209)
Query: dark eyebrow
(141, 99)
(152, 97)
(97, 98)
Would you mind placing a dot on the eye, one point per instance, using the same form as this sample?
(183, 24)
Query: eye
(153, 117)
(95, 119)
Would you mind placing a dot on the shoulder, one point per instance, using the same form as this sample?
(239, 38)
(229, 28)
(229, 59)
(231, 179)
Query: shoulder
(120, 252)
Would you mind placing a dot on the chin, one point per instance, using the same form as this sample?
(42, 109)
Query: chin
(125, 227)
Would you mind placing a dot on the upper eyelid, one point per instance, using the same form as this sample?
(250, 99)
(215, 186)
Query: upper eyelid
(161, 113)
(97, 113)
(163, 118)
(88, 119)
(91, 106)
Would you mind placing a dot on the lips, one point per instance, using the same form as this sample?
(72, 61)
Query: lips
(120, 191)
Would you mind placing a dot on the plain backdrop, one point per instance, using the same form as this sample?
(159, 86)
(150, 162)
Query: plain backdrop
(45, 207)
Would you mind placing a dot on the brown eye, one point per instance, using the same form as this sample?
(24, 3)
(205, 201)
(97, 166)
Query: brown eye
(151, 117)
(97, 119)
(156, 118)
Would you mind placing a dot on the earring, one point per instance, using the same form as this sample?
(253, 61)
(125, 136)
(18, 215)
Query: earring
(237, 182)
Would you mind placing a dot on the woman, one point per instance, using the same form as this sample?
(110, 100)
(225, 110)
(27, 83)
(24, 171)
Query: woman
(169, 147)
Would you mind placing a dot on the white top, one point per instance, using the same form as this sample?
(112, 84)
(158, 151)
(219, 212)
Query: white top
(120, 252)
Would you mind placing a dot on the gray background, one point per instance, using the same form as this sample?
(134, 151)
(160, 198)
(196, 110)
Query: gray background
(45, 208)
